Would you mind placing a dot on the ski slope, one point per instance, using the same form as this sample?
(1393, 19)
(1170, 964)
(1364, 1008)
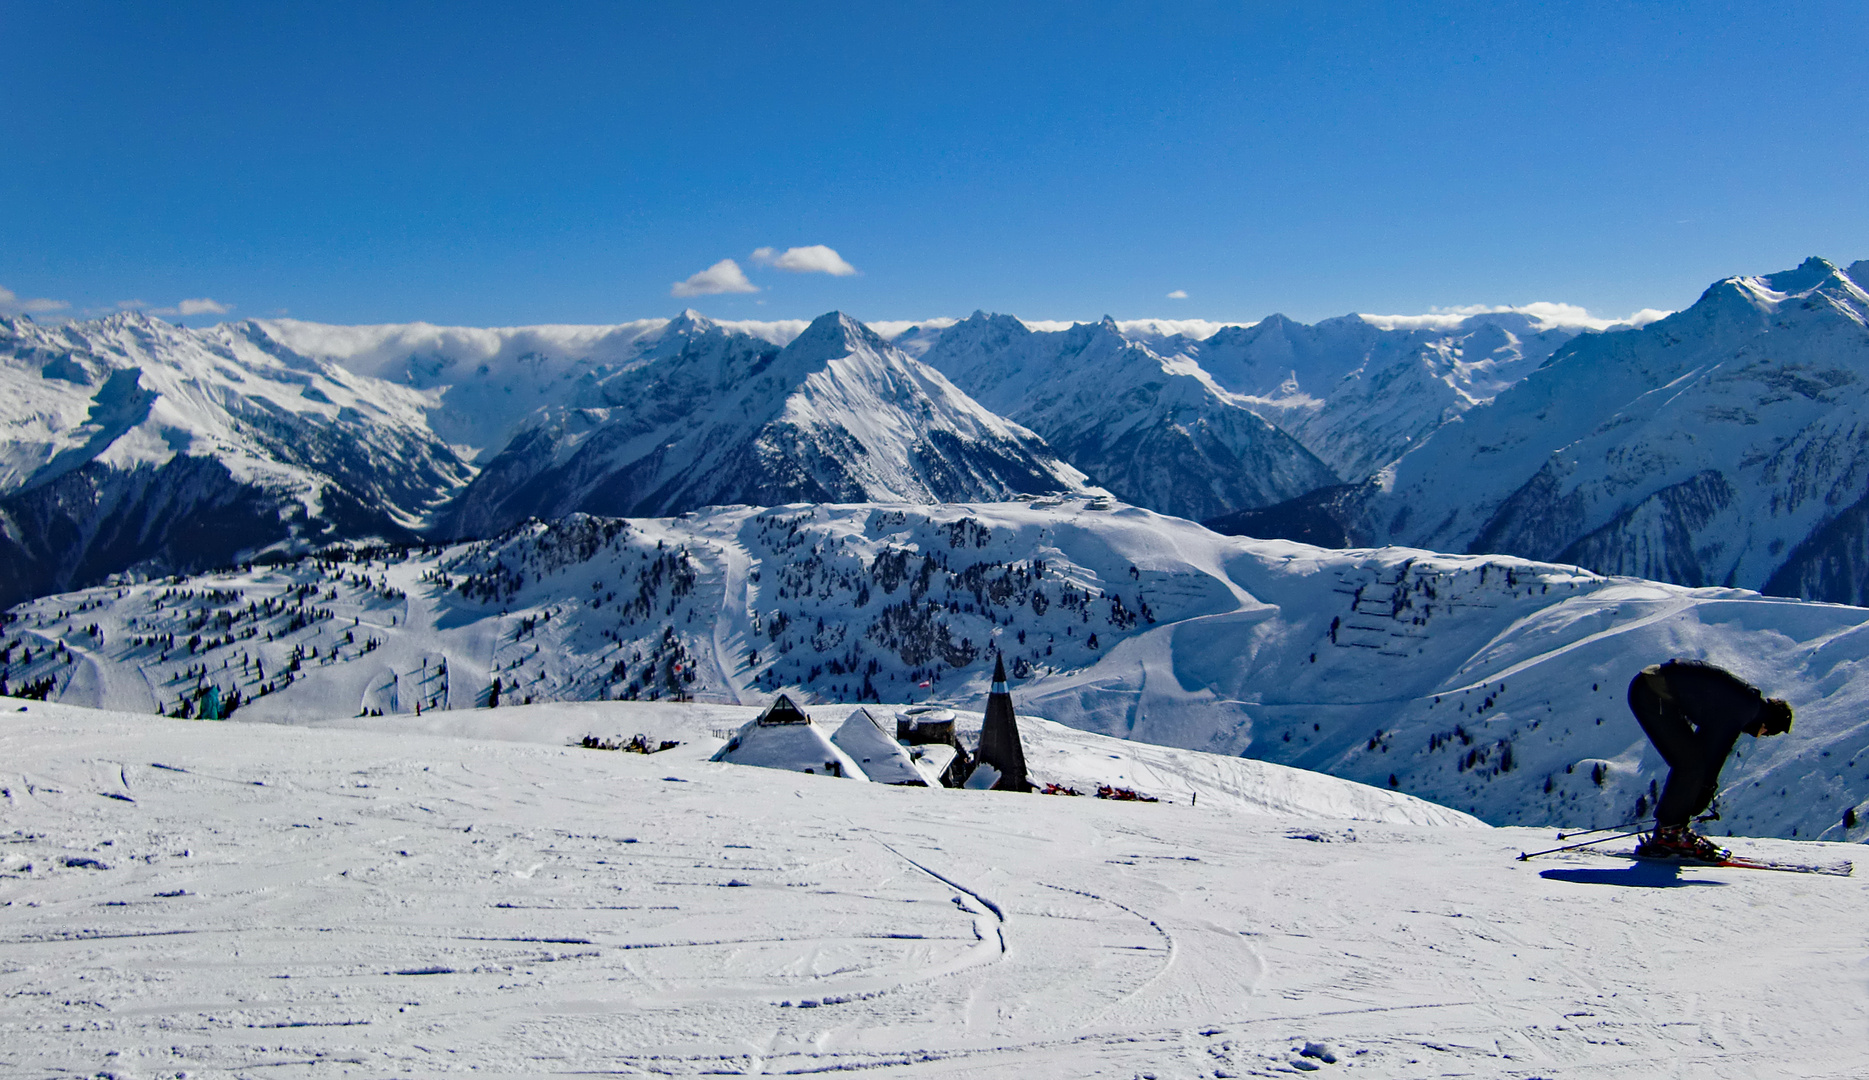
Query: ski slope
(201, 899)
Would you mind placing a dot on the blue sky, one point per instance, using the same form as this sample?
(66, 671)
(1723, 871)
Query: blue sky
(505, 164)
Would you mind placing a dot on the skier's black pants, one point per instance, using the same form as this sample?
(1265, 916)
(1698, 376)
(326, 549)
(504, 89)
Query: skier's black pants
(1695, 752)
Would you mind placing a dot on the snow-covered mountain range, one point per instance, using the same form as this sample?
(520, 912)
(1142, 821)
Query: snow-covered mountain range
(1493, 685)
(1715, 446)
(136, 446)
(715, 418)
(1155, 430)
(1245, 416)
(1725, 444)
(130, 442)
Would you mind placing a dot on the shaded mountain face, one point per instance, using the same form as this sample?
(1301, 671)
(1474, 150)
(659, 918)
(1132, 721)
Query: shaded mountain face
(720, 418)
(1723, 445)
(132, 444)
(1158, 432)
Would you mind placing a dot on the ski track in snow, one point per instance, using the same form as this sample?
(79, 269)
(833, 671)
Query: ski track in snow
(206, 899)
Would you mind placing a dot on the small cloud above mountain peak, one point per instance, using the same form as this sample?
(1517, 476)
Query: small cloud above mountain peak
(813, 259)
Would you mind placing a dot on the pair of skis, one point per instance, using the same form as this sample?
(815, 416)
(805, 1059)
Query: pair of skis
(1736, 862)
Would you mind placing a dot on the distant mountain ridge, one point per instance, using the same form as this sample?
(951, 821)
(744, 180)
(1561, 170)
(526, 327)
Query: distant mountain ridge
(1719, 445)
(837, 415)
(136, 446)
(1156, 432)
(1727, 444)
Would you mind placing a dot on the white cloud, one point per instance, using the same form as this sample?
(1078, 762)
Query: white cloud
(891, 329)
(198, 306)
(10, 303)
(816, 259)
(724, 276)
(778, 331)
(1178, 294)
(1545, 312)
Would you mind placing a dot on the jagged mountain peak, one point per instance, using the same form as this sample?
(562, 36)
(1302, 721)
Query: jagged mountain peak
(994, 320)
(837, 415)
(831, 335)
(690, 321)
(1744, 304)
(1812, 273)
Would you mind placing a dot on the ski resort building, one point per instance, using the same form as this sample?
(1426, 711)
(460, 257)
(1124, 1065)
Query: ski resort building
(928, 732)
(784, 737)
(882, 759)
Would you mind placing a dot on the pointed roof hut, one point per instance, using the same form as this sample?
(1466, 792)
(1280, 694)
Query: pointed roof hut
(999, 735)
(882, 758)
(783, 737)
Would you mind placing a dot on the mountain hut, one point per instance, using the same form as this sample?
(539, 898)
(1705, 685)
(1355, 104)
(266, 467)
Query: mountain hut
(784, 737)
(882, 758)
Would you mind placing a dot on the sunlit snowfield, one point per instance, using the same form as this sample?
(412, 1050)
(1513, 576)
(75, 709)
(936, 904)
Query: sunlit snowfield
(186, 898)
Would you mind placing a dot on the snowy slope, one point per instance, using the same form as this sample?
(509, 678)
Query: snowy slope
(231, 900)
(130, 442)
(1490, 684)
(838, 415)
(1722, 445)
(1058, 754)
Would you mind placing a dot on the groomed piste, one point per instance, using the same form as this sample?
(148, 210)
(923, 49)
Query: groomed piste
(464, 893)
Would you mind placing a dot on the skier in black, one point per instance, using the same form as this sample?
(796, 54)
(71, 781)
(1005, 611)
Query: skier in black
(1694, 712)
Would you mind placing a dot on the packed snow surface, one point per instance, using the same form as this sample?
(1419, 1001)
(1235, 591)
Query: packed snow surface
(201, 899)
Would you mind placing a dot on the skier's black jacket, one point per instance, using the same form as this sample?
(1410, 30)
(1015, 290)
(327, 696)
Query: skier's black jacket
(1710, 697)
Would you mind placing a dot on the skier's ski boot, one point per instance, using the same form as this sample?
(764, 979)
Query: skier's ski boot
(1681, 843)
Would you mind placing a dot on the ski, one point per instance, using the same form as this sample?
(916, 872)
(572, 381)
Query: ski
(1740, 862)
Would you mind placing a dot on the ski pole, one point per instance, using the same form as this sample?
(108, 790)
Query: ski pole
(1573, 847)
(1712, 816)
(1606, 828)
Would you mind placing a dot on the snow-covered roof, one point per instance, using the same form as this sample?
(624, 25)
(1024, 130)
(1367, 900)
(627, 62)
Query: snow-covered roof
(933, 760)
(882, 759)
(790, 745)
